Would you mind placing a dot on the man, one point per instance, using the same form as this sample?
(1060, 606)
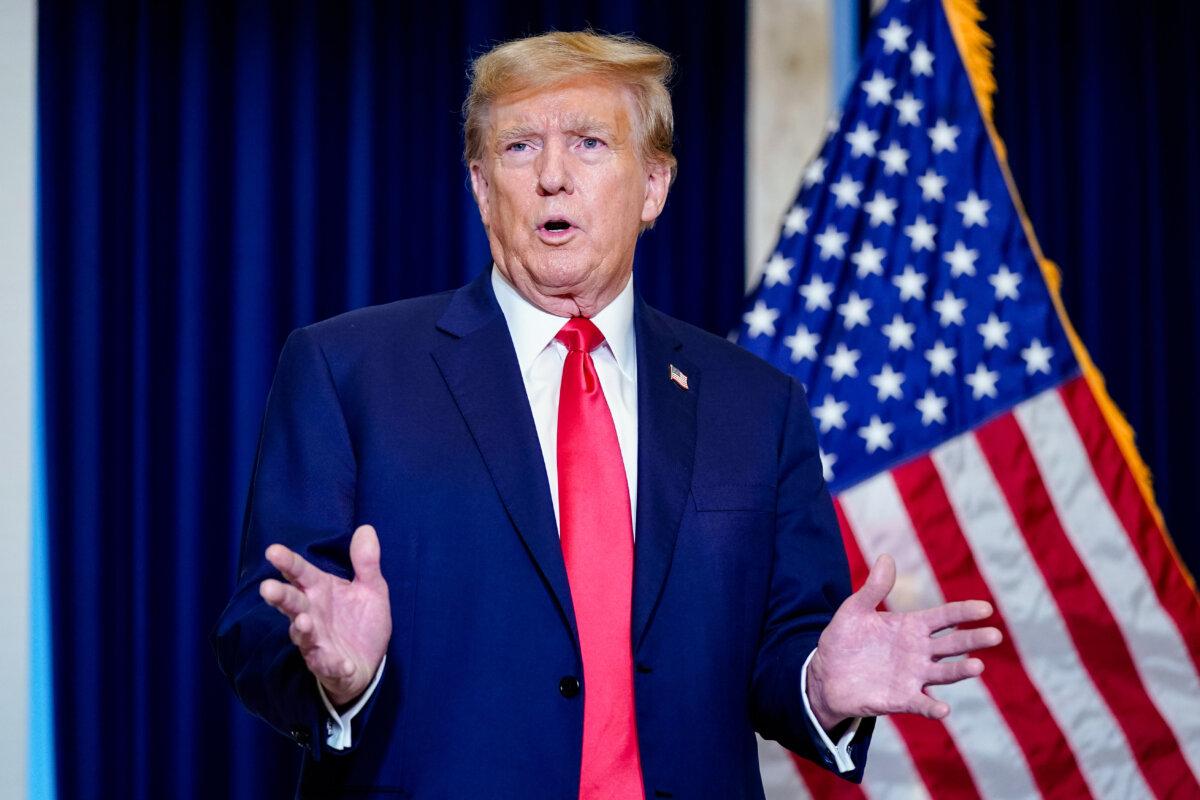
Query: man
(592, 551)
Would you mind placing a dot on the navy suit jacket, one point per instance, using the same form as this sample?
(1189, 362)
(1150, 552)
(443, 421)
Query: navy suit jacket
(413, 417)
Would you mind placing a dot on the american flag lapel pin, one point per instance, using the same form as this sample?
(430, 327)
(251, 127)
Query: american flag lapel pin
(678, 376)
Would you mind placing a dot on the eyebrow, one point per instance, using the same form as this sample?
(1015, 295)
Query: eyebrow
(574, 124)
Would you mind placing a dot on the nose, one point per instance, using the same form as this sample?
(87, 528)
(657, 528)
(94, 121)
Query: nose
(554, 170)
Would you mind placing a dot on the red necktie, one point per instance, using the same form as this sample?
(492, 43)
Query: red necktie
(597, 543)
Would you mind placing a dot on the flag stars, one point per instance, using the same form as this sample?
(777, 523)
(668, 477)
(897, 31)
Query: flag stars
(803, 344)
(827, 462)
(982, 382)
(943, 137)
(796, 221)
(1005, 283)
(878, 89)
(941, 359)
(932, 408)
(933, 186)
(843, 363)
(846, 190)
(816, 294)
(877, 434)
(895, 160)
(895, 36)
(921, 233)
(882, 209)
(994, 333)
(832, 243)
(1037, 358)
(868, 260)
(831, 414)
(921, 59)
(887, 383)
(950, 309)
(908, 110)
(961, 260)
(761, 319)
(899, 333)
(862, 140)
(911, 284)
(855, 311)
(778, 270)
(814, 173)
(974, 210)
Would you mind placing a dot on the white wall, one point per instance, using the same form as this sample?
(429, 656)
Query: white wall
(17, 21)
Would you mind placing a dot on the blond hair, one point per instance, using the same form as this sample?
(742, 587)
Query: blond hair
(538, 62)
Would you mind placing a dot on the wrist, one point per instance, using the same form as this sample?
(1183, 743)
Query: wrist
(817, 689)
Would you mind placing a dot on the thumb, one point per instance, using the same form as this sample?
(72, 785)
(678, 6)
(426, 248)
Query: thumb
(879, 583)
(364, 554)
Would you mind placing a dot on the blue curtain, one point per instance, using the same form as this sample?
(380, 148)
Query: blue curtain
(1099, 108)
(214, 174)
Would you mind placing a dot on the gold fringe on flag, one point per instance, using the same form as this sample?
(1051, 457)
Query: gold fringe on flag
(974, 47)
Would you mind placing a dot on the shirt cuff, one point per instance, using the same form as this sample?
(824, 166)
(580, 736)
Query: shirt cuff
(337, 727)
(840, 751)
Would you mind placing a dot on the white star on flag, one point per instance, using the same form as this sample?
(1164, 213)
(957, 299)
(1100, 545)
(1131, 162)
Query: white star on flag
(846, 191)
(994, 332)
(814, 173)
(982, 382)
(761, 319)
(922, 60)
(816, 294)
(831, 414)
(827, 462)
(855, 311)
(1005, 283)
(1037, 358)
(932, 186)
(950, 309)
(878, 434)
(908, 110)
(832, 243)
(899, 333)
(941, 359)
(881, 208)
(887, 383)
(778, 270)
(973, 210)
(796, 221)
(895, 36)
(862, 140)
(868, 259)
(843, 362)
(943, 137)
(961, 260)
(878, 89)
(895, 160)
(803, 344)
(932, 408)
(910, 283)
(921, 233)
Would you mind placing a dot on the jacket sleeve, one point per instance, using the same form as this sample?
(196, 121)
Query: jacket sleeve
(810, 579)
(302, 495)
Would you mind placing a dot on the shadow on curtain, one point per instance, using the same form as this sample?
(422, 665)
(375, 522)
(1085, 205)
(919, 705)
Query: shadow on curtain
(214, 174)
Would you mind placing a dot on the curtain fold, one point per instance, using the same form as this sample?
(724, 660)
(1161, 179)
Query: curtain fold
(213, 175)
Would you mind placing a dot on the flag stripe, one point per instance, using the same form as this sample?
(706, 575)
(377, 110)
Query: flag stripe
(1102, 650)
(983, 737)
(934, 753)
(1036, 628)
(824, 784)
(1037, 733)
(780, 778)
(1095, 533)
(1115, 478)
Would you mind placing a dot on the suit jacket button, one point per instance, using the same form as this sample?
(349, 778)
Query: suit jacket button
(569, 686)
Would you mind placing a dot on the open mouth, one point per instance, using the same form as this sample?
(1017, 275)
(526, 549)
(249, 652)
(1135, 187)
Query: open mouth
(557, 225)
(556, 228)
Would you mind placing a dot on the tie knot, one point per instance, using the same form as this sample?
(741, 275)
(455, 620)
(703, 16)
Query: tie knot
(580, 335)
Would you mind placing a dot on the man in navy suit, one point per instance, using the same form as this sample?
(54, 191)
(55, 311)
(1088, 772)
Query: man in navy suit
(532, 538)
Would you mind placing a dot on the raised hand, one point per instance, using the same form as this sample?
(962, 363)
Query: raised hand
(341, 627)
(870, 662)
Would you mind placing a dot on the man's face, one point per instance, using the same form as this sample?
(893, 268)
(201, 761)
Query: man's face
(563, 193)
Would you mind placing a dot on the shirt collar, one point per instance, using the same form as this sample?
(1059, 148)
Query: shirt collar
(532, 329)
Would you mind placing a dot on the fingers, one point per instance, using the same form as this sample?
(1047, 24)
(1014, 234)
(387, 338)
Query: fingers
(286, 598)
(879, 583)
(293, 566)
(951, 614)
(959, 642)
(364, 554)
(926, 706)
(945, 672)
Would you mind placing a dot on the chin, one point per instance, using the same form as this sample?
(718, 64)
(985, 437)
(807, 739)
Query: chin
(561, 270)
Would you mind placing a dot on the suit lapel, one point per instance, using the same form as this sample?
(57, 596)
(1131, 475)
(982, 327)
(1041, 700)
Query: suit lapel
(666, 453)
(480, 367)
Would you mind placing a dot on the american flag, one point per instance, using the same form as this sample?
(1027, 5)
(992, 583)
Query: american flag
(964, 432)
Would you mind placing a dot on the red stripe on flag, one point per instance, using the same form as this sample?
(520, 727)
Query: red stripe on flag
(934, 753)
(1149, 540)
(823, 784)
(1098, 640)
(1051, 761)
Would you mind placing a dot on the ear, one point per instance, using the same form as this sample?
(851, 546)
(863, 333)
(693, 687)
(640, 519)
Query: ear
(658, 183)
(479, 188)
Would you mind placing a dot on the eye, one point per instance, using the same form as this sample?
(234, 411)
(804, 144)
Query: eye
(518, 147)
(591, 143)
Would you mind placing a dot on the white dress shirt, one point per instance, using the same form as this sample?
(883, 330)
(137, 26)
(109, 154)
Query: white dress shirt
(540, 357)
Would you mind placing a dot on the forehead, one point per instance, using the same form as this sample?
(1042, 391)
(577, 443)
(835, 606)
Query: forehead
(579, 103)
